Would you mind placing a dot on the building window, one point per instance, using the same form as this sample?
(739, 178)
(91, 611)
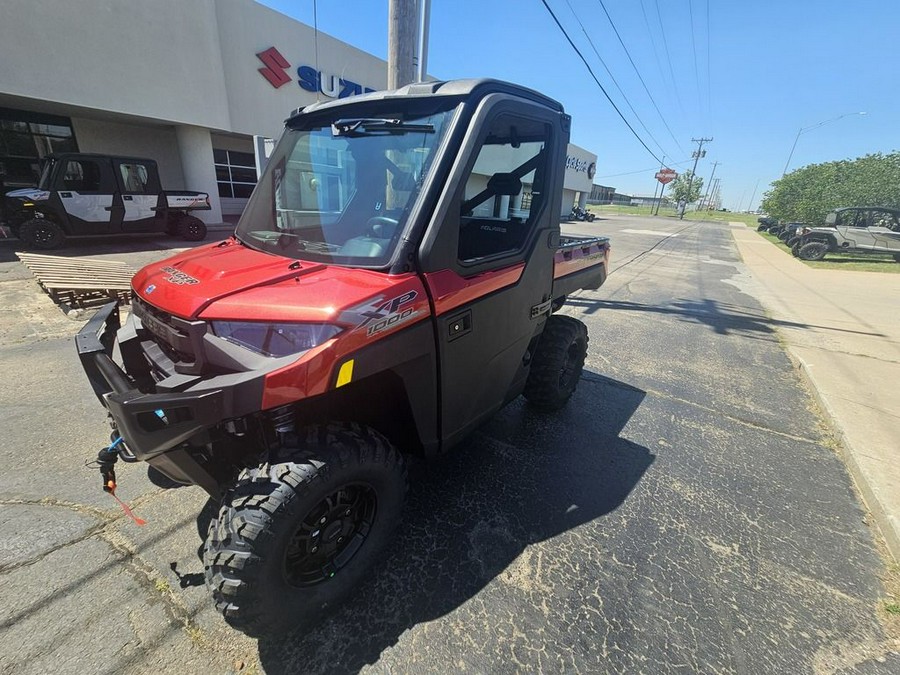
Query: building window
(25, 138)
(235, 173)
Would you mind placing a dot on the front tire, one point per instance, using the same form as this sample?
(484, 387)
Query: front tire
(557, 364)
(813, 250)
(293, 537)
(42, 234)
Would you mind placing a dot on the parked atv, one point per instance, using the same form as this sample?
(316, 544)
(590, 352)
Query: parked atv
(581, 214)
(765, 222)
(387, 309)
(856, 229)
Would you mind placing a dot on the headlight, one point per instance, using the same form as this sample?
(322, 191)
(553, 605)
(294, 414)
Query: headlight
(275, 339)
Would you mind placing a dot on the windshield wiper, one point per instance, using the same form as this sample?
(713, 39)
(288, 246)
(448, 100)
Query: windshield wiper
(377, 126)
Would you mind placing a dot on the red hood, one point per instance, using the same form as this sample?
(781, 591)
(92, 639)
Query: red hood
(231, 281)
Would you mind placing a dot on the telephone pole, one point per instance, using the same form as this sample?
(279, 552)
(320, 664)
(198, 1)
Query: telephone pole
(705, 199)
(403, 29)
(697, 154)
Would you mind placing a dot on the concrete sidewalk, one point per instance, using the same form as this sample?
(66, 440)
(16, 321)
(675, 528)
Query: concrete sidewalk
(843, 330)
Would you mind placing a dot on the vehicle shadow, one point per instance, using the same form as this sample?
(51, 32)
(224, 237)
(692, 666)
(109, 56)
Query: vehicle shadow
(724, 318)
(523, 478)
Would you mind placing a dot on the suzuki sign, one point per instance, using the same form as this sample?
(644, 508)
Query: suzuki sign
(309, 78)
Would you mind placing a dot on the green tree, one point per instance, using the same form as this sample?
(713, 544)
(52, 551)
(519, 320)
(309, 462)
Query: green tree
(810, 192)
(678, 188)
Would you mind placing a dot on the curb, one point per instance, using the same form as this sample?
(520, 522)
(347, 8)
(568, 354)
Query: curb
(889, 529)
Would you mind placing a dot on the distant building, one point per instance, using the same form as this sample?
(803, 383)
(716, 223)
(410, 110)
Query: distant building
(601, 194)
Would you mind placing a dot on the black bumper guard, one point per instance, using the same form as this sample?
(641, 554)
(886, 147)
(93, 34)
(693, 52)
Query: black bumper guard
(151, 424)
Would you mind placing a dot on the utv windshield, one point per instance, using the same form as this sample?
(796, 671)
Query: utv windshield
(340, 190)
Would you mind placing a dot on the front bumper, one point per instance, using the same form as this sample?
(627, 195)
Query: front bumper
(154, 425)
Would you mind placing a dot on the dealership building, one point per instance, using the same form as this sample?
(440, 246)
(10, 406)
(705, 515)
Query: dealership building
(188, 83)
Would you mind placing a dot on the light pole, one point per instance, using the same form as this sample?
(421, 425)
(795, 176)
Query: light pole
(810, 128)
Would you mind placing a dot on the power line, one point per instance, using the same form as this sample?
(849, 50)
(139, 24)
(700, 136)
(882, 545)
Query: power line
(708, 67)
(662, 75)
(605, 93)
(615, 82)
(638, 73)
(668, 55)
(652, 168)
(694, 50)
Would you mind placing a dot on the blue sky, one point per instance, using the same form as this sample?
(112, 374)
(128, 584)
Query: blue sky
(750, 77)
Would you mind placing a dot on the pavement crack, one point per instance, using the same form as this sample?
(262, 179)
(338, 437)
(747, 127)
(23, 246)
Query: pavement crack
(154, 584)
(737, 420)
(94, 530)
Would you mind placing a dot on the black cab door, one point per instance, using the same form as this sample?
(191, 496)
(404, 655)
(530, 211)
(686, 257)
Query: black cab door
(487, 256)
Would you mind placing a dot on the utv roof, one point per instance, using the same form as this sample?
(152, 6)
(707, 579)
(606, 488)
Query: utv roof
(460, 89)
(857, 208)
(97, 156)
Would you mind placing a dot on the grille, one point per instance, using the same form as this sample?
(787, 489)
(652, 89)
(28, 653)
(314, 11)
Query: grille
(180, 340)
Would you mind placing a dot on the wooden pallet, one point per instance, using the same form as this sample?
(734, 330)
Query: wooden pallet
(80, 282)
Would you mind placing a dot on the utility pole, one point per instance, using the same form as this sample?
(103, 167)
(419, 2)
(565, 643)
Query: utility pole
(402, 37)
(714, 195)
(658, 185)
(697, 154)
(422, 51)
(750, 205)
(709, 185)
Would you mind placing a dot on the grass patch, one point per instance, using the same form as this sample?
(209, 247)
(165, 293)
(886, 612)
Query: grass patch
(853, 262)
(668, 212)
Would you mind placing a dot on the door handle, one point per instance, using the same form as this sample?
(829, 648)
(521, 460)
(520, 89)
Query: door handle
(459, 325)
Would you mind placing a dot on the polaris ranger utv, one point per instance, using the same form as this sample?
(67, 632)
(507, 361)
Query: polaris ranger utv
(86, 194)
(390, 285)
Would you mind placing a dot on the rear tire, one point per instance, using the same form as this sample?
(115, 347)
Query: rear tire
(294, 536)
(813, 250)
(42, 234)
(557, 364)
(795, 250)
(191, 228)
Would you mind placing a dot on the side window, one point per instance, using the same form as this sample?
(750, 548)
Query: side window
(502, 196)
(885, 219)
(81, 176)
(848, 218)
(135, 178)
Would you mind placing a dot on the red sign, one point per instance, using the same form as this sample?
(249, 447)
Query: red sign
(666, 176)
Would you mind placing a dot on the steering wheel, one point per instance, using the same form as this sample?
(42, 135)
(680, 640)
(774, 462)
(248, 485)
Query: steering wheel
(381, 227)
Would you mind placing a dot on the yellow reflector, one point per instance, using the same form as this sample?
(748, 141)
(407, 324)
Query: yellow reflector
(345, 374)
(28, 204)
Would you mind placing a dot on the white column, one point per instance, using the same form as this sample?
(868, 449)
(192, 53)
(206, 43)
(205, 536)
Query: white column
(582, 200)
(195, 147)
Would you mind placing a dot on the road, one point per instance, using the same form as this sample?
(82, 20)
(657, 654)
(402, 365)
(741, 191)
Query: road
(686, 513)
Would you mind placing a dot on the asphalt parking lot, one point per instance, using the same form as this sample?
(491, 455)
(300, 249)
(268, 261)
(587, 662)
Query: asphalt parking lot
(686, 513)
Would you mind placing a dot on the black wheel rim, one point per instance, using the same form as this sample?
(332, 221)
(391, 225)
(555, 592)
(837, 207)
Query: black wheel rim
(569, 373)
(330, 535)
(43, 235)
(193, 229)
